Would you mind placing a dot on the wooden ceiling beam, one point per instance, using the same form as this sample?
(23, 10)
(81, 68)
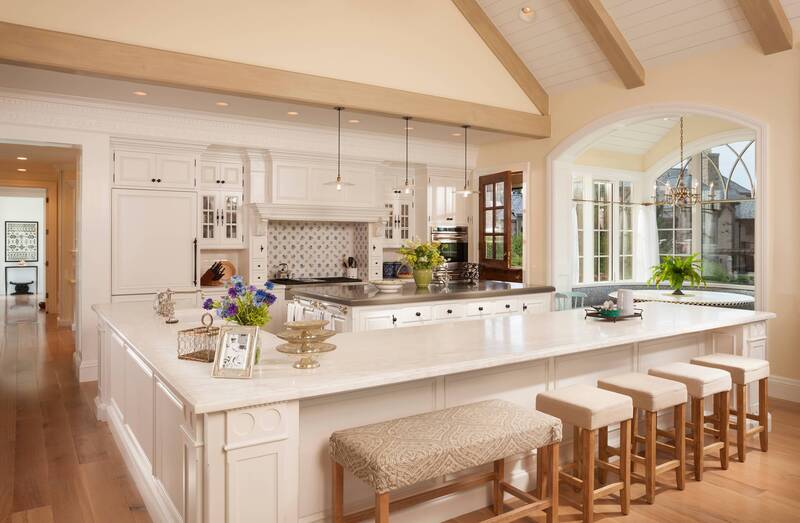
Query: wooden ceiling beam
(610, 40)
(29, 46)
(768, 21)
(505, 53)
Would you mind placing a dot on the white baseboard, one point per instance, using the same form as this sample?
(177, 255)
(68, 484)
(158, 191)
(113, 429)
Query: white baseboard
(784, 388)
(84, 370)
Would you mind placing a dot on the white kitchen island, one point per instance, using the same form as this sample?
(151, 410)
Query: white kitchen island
(214, 450)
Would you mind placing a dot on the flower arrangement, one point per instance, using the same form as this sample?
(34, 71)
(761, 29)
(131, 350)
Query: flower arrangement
(422, 258)
(243, 304)
(678, 269)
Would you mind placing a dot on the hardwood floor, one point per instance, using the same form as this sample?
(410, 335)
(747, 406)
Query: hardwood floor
(58, 463)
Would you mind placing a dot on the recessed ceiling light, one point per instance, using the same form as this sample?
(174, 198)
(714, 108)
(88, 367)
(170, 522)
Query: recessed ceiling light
(526, 14)
(140, 93)
(293, 113)
(222, 104)
(22, 170)
(353, 121)
(23, 158)
(455, 134)
(409, 128)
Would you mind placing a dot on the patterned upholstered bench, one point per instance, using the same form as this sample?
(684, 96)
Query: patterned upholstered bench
(401, 452)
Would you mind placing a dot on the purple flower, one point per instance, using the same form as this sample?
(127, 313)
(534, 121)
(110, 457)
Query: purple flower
(271, 298)
(231, 310)
(269, 285)
(232, 292)
(239, 289)
(208, 304)
(251, 288)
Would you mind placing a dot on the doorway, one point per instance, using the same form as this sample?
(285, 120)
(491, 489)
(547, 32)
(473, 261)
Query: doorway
(501, 223)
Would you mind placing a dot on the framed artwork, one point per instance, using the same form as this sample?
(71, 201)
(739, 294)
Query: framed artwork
(236, 352)
(22, 241)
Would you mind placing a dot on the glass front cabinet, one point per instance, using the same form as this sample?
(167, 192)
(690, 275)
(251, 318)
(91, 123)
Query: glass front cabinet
(221, 219)
(399, 222)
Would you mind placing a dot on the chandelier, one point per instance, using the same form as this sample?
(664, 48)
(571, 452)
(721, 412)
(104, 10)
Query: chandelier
(681, 194)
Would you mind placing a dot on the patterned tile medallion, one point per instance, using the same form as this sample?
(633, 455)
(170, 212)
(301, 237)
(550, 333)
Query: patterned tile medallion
(316, 249)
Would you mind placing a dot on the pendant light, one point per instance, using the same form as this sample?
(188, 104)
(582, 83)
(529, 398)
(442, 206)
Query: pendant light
(680, 195)
(406, 187)
(338, 182)
(466, 192)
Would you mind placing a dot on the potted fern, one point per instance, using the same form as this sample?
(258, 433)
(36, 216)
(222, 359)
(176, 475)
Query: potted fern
(678, 270)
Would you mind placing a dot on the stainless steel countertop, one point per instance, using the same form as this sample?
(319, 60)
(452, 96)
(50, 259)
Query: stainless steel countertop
(364, 295)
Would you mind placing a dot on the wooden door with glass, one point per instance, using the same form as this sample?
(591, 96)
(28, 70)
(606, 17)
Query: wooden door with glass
(500, 212)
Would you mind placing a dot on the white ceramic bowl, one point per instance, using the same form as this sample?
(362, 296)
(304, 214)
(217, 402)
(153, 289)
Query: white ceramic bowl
(388, 285)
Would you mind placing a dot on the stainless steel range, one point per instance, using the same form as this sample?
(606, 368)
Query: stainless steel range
(454, 246)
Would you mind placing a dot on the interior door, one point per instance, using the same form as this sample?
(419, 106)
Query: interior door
(495, 226)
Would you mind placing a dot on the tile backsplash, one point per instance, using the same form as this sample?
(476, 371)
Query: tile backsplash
(316, 249)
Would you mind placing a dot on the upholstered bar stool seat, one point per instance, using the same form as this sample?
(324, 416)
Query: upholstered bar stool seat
(651, 394)
(744, 371)
(404, 451)
(702, 382)
(590, 409)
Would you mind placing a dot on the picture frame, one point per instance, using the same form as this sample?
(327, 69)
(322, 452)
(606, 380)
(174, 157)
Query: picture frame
(236, 352)
(21, 241)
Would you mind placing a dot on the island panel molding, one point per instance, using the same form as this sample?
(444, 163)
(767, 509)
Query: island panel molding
(258, 448)
(74, 53)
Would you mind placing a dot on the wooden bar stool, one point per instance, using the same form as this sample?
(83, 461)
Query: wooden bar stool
(744, 371)
(702, 382)
(404, 451)
(651, 394)
(589, 409)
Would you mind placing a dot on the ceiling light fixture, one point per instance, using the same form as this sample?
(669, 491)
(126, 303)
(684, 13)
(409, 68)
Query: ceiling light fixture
(222, 104)
(527, 14)
(466, 192)
(353, 120)
(680, 195)
(338, 182)
(22, 170)
(409, 128)
(292, 113)
(140, 93)
(455, 134)
(23, 158)
(406, 187)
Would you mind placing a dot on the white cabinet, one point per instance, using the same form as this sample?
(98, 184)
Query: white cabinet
(221, 174)
(138, 408)
(158, 170)
(168, 467)
(399, 225)
(153, 241)
(374, 320)
(537, 304)
(444, 205)
(220, 219)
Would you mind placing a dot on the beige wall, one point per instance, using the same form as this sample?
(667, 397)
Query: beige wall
(610, 159)
(417, 45)
(741, 79)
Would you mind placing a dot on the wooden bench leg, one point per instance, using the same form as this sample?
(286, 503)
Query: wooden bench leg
(382, 507)
(499, 475)
(763, 414)
(625, 438)
(698, 432)
(602, 453)
(679, 414)
(588, 438)
(552, 484)
(741, 419)
(722, 426)
(635, 430)
(337, 491)
(650, 456)
(577, 451)
(542, 455)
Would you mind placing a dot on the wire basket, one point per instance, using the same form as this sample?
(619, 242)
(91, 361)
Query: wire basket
(199, 343)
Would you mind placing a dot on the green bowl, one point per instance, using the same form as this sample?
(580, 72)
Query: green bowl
(609, 313)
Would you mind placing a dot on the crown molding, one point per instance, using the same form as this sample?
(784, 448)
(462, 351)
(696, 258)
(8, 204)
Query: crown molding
(319, 213)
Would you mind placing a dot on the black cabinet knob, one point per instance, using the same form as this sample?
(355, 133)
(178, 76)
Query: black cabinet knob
(480, 309)
(217, 181)
(508, 306)
(418, 314)
(223, 181)
(394, 319)
(449, 311)
(153, 180)
(159, 180)
(524, 307)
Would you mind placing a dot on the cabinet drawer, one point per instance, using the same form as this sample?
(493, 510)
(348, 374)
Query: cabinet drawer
(258, 278)
(536, 306)
(480, 308)
(448, 311)
(507, 306)
(375, 275)
(259, 266)
(414, 314)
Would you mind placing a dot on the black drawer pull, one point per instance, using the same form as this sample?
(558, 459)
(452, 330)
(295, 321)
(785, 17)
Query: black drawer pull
(480, 309)
(508, 306)
(153, 180)
(449, 311)
(524, 307)
(159, 180)
(223, 181)
(394, 319)
(418, 314)
(217, 181)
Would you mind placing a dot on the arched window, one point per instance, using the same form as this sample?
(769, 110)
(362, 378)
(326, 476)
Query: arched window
(722, 227)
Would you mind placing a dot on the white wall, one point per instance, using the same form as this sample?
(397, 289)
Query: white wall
(25, 205)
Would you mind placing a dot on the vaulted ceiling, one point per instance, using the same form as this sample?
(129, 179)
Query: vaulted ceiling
(561, 53)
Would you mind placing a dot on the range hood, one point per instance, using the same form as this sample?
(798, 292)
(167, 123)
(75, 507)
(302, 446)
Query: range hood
(320, 213)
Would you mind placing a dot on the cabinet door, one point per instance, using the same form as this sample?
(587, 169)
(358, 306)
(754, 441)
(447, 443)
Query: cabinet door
(375, 320)
(153, 241)
(507, 306)
(209, 217)
(536, 305)
(404, 220)
(175, 171)
(209, 175)
(139, 401)
(169, 459)
(231, 222)
(230, 174)
(135, 169)
(389, 228)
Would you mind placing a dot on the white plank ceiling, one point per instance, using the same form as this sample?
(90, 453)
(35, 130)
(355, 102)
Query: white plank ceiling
(561, 53)
(636, 138)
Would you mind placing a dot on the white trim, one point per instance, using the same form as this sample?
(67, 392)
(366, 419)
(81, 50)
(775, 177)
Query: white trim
(571, 146)
(525, 168)
(84, 370)
(784, 388)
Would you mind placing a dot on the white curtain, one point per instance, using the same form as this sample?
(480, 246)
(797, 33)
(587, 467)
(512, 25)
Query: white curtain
(646, 242)
(576, 266)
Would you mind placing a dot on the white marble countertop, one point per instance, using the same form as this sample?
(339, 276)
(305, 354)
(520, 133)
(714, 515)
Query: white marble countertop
(383, 357)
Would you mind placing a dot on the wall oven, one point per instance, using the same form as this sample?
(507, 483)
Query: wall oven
(454, 246)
